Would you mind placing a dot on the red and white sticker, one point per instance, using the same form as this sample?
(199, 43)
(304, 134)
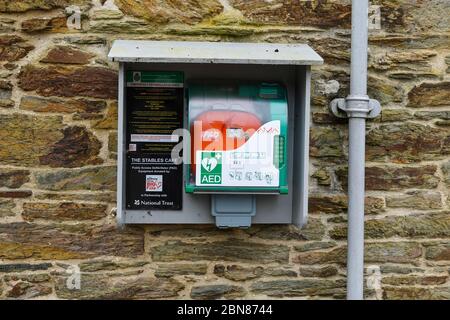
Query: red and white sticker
(153, 183)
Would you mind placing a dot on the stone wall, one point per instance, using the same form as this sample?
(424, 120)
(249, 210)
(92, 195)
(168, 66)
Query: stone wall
(58, 113)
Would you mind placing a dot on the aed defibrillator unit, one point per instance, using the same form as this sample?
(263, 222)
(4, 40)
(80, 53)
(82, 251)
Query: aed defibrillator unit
(238, 138)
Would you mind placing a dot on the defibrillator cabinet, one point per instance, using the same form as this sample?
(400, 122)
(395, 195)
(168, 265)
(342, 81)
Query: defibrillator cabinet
(213, 132)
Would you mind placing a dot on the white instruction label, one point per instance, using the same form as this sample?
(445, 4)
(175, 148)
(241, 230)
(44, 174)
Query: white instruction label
(250, 165)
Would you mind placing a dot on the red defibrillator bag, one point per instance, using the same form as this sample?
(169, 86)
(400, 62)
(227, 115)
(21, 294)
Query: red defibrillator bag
(220, 130)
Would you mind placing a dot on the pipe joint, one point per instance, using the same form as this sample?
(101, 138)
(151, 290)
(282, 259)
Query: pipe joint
(355, 106)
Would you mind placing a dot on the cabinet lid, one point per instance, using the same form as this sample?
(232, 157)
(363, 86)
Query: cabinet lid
(213, 52)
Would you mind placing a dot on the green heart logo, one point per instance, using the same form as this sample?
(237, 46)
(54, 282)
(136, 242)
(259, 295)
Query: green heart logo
(209, 164)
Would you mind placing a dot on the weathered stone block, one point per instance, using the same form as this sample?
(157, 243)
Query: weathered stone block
(313, 230)
(243, 273)
(447, 61)
(320, 117)
(7, 25)
(65, 211)
(323, 177)
(318, 272)
(444, 123)
(54, 24)
(127, 26)
(170, 270)
(416, 293)
(329, 83)
(399, 269)
(391, 115)
(6, 103)
(298, 288)
(414, 226)
(238, 273)
(403, 64)
(310, 246)
(336, 255)
(414, 280)
(6, 94)
(110, 119)
(25, 5)
(407, 142)
(88, 39)
(77, 147)
(446, 172)
(429, 95)
(322, 14)
(332, 50)
(87, 116)
(109, 197)
(103, 286)
(431, 115)
(22, 240)
(338, 219)
(32, 138)
(437, 251)
(279, 272)
(190, 231)
(67, 55)
(12, 178)
(33, 277)
(396, 252)
(217, 291)
(105, 14)
(26, 290)
(112, 145)
(44, 141)
(396, 178)
(229, 250)
(16, 194)
(6, 207)
(55, 105)
(95, 179)
(327, 203)
(92, 82)
(109, 265)
(406, 16)
(20, 267)
(334, 204)
(417, 199)
(177, 11)
(374, 205)
(379, 88)
(411, 41)
(325, 142)
(13, 48)
(384, 90)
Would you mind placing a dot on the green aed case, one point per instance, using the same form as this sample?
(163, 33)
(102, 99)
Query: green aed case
(238, 136)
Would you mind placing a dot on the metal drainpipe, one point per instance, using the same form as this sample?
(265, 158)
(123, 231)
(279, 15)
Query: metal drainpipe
(357, 107)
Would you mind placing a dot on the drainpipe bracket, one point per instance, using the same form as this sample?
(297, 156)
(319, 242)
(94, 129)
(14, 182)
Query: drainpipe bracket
(355, 107)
